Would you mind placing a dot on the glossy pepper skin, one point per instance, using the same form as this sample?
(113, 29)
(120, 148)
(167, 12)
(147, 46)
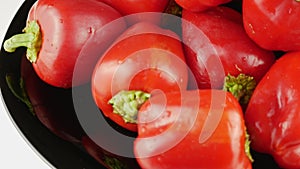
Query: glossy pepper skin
(62, 32)
(274, 25)
(137, 9)
(192, 129)
(216, 45)
(145, 58)
(200, 5)
(273, 113)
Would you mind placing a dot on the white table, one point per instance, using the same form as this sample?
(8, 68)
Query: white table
(15, 151)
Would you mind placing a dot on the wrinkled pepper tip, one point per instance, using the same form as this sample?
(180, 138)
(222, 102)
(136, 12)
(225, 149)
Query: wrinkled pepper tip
(174, 9)
(241, 87)
(127, 104)
(31, 38)
(247, 148)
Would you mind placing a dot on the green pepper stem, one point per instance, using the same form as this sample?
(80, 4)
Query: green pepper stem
(247, 147)
(127, 104)
(173, 8)
(241, 87)
(17, 87)
(31, 38)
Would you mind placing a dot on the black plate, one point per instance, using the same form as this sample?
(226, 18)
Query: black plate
(59, 152)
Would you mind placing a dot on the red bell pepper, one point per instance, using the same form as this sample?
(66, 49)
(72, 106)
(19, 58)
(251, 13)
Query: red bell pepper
(200, 5)
(139, 10)
(58, 31)
(144, 59)
(216, 45)
(273, 113)
(274, 25)
(192, 129)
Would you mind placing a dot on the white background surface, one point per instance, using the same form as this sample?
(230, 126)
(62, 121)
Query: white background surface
(15, 151)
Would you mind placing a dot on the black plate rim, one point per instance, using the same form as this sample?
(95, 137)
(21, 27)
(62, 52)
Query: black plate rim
(54, 151)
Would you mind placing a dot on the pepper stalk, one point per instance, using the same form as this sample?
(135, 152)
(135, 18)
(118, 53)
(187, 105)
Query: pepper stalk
(127, 104)
(247, 147)
(31, 38)
(241, 87)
